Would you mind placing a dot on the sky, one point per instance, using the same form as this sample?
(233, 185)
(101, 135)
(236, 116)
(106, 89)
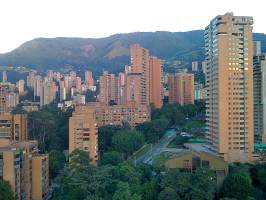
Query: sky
(24, 20)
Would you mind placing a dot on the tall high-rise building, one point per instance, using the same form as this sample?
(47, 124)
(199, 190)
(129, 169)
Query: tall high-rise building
(25, 169)
(121, 89)
(140, 63)
(195, 66)
(259, 92)
(83, 131)
(133, 88)
(89, 78)
(78, 84)
(37, 86)
(203, 67)
(13, 127)
(181, 88)
(229, 86)
(156, 90)
(50, 74)
(4, 91)
(108, 88)
(8, 97)
(40, 176)
(48, 93)
(62, 91)
(12, 100)
(31, 78)
(20, 86)
(4, 78)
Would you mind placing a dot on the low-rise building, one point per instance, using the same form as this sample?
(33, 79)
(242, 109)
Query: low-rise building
(190, 160)
(117, 114)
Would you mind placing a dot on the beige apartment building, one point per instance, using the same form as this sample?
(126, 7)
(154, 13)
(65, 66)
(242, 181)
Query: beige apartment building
(17, 166)
(131, 113)
(229, 86)
(133, 88)
(89, 78)
(48, 92)
(181, 88)
(13, 128)
(40, 176)
(83, 131)
(141, 83)
(140, 58)
(156, 82)
(108, 88)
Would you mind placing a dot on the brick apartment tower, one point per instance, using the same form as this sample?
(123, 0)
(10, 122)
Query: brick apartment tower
(156, 82)
(108, 88)
(144, 80)
(229, 84)
(89, 78)
(140, 59)
(83, 131)
(181, 88)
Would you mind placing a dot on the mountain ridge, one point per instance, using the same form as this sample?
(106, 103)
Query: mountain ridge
(110, 53)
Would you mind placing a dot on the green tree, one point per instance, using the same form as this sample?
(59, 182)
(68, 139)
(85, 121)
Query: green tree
(112, 158)
(127, 142)
(6, 192)
(56, 162)
(123, 192)
(149, 190)
(237, 185)
(203, 184)
(50, 127)
(168, 194)
(128, 173)
(105, 134)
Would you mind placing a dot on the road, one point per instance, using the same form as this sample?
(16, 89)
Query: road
(162, 144)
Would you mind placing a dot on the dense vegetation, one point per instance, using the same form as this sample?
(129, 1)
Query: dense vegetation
(6, 192)
(111, 53)
(117, 178)
(82, 180)
(50, 127)
(122, 181)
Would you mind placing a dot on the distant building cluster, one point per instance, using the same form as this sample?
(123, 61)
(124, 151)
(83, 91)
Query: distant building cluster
(9, 94)
(142, 81)
(58, 87)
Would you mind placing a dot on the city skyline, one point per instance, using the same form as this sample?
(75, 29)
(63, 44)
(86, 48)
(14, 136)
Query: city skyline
(42, 19)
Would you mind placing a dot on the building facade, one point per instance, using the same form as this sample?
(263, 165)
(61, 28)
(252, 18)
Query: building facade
(13, 127)
(259, 91)
(89, 78)
(48, 93)
(195, 66)
(83, 131)
(229, 86)
(131, 113)
(156, 82)
(17, 166)
(181, 88)
(108, 88)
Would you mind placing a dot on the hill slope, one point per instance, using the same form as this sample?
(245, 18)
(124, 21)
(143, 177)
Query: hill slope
(110, 53)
